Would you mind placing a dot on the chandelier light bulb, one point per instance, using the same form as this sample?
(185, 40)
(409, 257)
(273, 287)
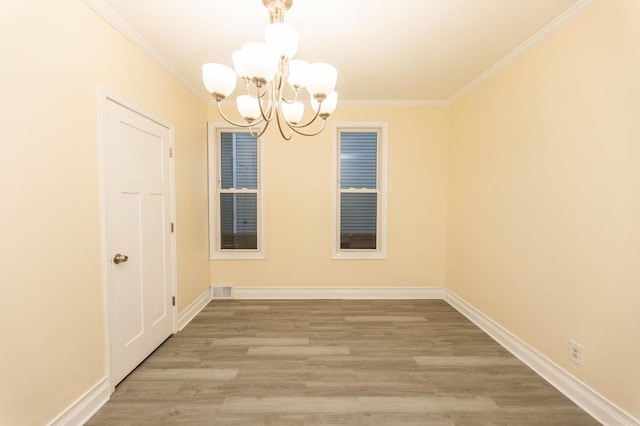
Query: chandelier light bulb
(293, 112)
(298, 72)
(321, 80)
(260, 62)
(238, 65)
(220, 80)
(283, 38)
(248, 107)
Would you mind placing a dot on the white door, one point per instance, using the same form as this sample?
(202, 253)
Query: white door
(139, 206)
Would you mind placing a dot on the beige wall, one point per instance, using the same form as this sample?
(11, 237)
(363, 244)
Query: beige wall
(54, 54)
(544, 198)
(298, 208)
(535, 172)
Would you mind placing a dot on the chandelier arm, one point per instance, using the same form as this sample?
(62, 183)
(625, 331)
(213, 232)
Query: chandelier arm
(259, 132)
(308, 123)
(279, 75)
(277, 102)
(324, 122)
(287, 138)
(269, 108)
(228, 120)
(286, 101)
(284, 75)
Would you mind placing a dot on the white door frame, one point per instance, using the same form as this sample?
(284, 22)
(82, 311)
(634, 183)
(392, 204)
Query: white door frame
(105, 95)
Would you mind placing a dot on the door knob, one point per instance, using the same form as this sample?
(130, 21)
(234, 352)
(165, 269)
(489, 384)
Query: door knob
(120, 258)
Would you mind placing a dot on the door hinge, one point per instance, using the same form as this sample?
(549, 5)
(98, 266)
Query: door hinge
(173, 300)
(170, 152)
(172, 227)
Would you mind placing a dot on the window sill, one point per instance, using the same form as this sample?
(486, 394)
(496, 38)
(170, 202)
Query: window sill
(239, 255)
(359, 255)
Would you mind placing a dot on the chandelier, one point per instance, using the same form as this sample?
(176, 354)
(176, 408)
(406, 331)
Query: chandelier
(274, 81)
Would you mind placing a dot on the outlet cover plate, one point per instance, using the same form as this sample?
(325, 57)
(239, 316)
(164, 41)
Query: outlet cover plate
(576, 352)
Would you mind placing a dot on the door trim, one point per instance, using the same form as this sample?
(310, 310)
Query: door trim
(105, 95)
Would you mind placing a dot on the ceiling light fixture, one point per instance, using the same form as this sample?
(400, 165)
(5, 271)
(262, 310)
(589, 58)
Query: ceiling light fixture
(270, 75)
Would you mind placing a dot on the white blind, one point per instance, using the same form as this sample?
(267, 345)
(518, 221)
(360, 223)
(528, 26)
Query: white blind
(239, 161)
(358, 160)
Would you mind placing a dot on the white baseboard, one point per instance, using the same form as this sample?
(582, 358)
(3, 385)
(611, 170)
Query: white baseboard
(339, 293)
(85, 406)
(193, 309)
(585, 397)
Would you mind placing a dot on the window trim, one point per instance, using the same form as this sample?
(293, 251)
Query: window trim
(215, 252)
(382, 153)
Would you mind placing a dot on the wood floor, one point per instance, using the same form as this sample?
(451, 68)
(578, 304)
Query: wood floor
(334, 362)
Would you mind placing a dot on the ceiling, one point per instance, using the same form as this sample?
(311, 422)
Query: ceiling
(384, 50)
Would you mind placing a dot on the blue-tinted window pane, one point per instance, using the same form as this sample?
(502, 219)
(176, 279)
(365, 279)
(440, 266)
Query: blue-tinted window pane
(358, 217)
(238, 161)
(238, 221)
(358, 160)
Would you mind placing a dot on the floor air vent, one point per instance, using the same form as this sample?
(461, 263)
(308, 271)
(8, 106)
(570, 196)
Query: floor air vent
(222, 292)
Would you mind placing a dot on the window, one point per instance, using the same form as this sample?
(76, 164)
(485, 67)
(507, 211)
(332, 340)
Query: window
(360, 173)
(236, 203)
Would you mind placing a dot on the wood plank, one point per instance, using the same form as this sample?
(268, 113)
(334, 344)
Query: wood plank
(186, 374)
(298, 350)
(370, 404)
(466, 361)
(261, 341)
(384, 318)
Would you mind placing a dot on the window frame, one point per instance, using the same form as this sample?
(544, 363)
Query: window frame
(214, 180)
(380, 252)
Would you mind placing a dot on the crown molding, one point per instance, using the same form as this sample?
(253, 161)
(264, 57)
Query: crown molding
(529, 44)
(401, 103)
(109, 15)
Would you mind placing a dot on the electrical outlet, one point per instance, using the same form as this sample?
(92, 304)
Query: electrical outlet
(576, 352)
(193, 284)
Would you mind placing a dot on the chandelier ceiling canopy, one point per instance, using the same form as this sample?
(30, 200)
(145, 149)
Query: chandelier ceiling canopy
(275, 82)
